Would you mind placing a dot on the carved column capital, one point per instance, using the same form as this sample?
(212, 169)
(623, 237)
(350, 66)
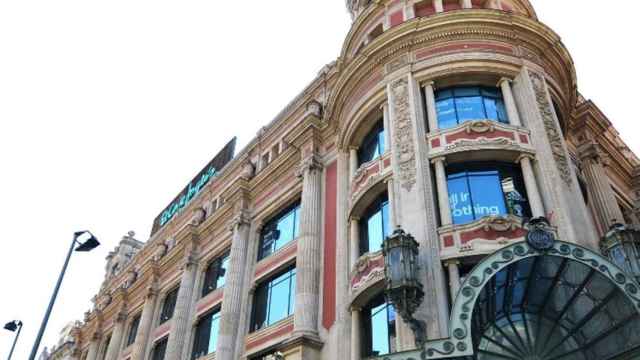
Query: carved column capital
(525, 156)
(310, 164)
(592, 151)
(439, 159)
(242, 217)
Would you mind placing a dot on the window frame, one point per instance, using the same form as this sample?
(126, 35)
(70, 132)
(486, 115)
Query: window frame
(367, 325)
(504, 170)
(131, 334)
(270, 232)
(214, 272)
(483, 92)
(376, 137)
(377, 206)
(165, 313)
(164, 342)
(264, 290)
(210, 316)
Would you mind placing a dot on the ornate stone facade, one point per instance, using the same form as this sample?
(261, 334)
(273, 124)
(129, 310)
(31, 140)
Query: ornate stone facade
(571, 163)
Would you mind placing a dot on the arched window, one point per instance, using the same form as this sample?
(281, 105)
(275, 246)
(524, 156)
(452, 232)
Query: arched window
(374, 225)
(379, 319)
(477, 190)
(461, 104)
(373, 144)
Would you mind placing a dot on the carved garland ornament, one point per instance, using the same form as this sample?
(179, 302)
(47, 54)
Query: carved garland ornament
(404, 134)
(553, 133)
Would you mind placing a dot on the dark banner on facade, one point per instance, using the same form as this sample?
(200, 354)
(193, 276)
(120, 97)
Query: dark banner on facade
(198, 183)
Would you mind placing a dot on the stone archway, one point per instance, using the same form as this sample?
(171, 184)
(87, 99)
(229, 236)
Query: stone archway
(566, 303)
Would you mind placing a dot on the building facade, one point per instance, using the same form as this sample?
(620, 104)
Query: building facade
(456, 120)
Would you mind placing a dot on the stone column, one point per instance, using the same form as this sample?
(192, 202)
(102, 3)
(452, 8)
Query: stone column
(354, 237)
(146, 322)
(353, 161)
(466, 4)
(437, 4)
(387, 125)
(594, 162)
(180, 322)
(432, 111)
(233, 288)
(94, 346)
(454, 278)
(530, 183)
(356, 340)
(393, 213)
(113, 351)
(308, 257)
(509, 102)
(443, 191)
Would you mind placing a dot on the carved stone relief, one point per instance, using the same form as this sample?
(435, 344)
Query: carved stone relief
(551, 127)
(403, 133)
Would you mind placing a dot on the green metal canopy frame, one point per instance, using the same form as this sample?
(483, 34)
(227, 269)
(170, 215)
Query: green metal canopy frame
(565, 303)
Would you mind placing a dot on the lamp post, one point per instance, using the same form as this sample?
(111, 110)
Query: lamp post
(13, 326)
(86, 246)
(622, 246)
(404, 289)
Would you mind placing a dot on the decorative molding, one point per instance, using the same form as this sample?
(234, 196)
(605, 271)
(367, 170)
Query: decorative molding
(368, 267)
(403, 134)
(310, 164)
(551, 127)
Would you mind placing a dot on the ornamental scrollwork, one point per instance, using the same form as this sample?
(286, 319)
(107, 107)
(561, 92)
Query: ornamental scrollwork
(404, 134)
(551, 127)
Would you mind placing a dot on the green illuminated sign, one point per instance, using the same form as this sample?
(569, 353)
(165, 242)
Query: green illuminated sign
(192, 191)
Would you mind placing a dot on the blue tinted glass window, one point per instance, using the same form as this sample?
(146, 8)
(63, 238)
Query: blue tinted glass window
(279, 231)
(479, 190)
(374, 225)
(215, 275)
(206, 335)
(380, 332)
(458, 105)
(213, 337)
(274, 300)
(373, 144)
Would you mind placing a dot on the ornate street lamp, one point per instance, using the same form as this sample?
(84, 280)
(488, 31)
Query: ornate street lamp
(13, 326)
(622, 246)
(404, 289)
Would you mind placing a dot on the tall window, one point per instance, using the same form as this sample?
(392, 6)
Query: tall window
(461, 104)
(477, 190)
(105, 347)
(274, 299)
(159, 349)
(206, 338)
(379, 327)
(374, 225)
(280, 230)
(214, 277)
(373, 144)
(133, 330)
(168, 305)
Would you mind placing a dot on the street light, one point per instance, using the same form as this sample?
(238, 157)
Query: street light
(404, 289)
(13, 326)
(88, 245)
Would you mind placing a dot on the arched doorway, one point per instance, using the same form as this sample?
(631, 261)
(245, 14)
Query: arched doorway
(565, 303)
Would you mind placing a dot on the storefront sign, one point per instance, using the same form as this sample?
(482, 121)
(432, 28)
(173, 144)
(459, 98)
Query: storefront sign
(195, 186)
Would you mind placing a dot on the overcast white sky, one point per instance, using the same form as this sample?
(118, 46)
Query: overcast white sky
(109, 108)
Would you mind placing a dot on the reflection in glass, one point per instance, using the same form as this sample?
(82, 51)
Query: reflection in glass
(279, 231)
(274, 300)
(373, 144)
(374, 226)
(380, 327)
(461, 104)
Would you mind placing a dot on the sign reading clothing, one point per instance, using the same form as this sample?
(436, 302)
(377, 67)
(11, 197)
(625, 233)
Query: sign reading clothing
(195, 186)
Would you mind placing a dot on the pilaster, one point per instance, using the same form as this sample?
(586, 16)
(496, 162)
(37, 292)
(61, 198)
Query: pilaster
(146, 320)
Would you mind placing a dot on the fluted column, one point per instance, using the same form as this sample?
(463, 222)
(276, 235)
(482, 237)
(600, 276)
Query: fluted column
(466, 4)
(113, 351)
(180, 322)
(233, 288)
(454, 278)
(437, 4)
(530, 183)
(356, 337)
(94, 346)
(146, 322)
(432, 111)
(353, 161)
(443, 192)
(509, 102)
(354, 237)
(308, 266)
(602, 194)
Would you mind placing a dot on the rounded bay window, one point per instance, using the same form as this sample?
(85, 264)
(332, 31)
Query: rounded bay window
(477, 190)
(456, 105)
(374, 225)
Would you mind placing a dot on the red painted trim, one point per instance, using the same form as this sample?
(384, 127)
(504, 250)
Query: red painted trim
(468, 236)
(462, 134)
(268, 337)
(448, 241)
(435, 143)
(366, 86)
(396, 18)
(424, 9)
(524, 139)
(464, 47)
(387, 163)
(209, 301)
(330, 209)
(274, 260)
(161, 330)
